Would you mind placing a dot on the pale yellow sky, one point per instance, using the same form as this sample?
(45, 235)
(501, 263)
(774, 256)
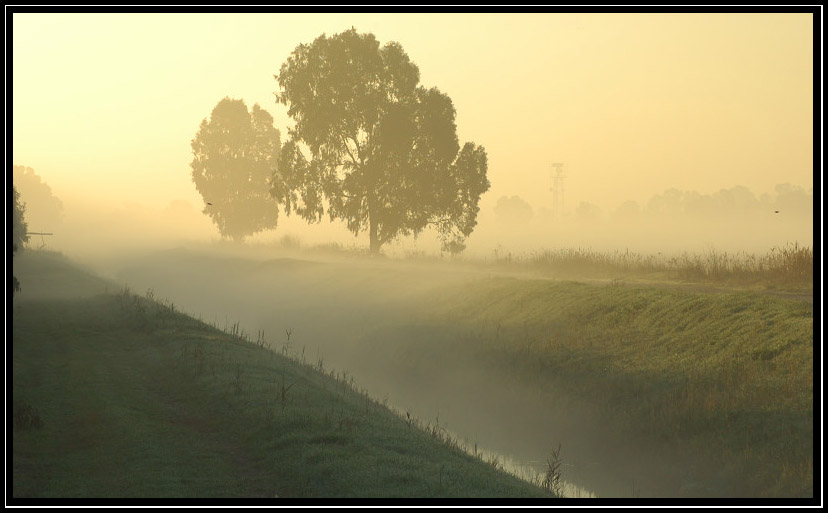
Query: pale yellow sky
(105, 105)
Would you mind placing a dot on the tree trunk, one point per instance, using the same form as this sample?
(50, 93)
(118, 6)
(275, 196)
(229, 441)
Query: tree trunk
(375, 243)
(373, 225)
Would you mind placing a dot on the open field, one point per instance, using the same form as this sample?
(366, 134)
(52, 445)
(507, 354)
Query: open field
(652, 391)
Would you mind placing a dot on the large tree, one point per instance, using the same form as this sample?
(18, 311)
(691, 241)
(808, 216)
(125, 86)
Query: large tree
(373, 147)
(235, 154)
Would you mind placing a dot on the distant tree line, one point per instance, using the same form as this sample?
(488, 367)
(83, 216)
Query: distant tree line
(44, 209)
(40, 208)
(733, 203)
(789, 201)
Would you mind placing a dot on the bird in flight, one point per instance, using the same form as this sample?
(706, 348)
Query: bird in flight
(775, 211)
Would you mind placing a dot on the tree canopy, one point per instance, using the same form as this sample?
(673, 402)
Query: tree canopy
(44, 210)
(372, 147)
(19, 225)
(235, 154)
(19, 231)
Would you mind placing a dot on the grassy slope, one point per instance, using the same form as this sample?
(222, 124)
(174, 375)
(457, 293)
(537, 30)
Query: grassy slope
(720, 383)
(137, 400)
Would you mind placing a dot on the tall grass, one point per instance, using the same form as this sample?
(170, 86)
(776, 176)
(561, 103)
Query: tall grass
(786, 266)
(791, 265)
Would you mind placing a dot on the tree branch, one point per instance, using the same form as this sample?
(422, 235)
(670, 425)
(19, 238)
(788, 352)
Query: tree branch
(359, 150)
(348, 149)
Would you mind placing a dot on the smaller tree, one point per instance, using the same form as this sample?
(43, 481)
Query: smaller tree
(235, 155)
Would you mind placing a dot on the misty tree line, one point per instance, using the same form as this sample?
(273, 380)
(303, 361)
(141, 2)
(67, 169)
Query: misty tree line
(41, 210)
(734, 203)
(44, 210)
(370, 147)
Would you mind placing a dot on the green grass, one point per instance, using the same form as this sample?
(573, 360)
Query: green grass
(716, 386)
(120, 395)
(722, 383)
(789, 267)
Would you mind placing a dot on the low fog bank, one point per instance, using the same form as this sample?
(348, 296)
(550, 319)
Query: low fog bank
(361, 316)
(324, 299)
(672, 229)
(421, 369)
(676, 221)
(670, 224)
(646, 237)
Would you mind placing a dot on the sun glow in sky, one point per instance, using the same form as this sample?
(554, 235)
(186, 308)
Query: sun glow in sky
(104, 106)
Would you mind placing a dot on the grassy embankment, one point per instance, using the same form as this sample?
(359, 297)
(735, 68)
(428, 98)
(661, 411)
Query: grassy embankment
(787, 268)
(120, 395)
(721, 384)
(706, 359)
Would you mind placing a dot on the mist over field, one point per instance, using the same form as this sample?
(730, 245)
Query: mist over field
(578, 231)
(731, 220)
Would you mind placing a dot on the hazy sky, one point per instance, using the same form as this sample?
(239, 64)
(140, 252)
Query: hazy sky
(105, 105)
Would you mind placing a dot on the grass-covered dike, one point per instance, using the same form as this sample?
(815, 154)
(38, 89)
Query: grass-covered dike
(116, 394)
(670, 391)
(717, 386)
